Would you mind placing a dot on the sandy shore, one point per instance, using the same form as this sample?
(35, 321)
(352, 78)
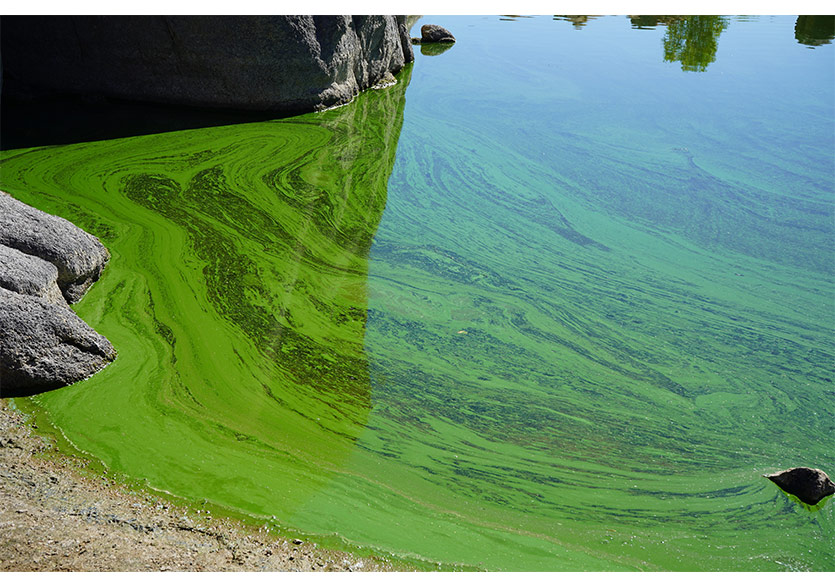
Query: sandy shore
(57, 516)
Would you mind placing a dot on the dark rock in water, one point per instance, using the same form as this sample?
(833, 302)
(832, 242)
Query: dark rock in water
(78, 256)
(416, 40)
(432, 33)
(29, 275)
(282, 63)
(810, 485)
(45, 346)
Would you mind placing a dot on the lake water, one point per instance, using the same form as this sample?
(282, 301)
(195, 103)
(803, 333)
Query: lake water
(555, 301)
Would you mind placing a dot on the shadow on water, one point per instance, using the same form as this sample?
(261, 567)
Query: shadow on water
(72, 119)
(19, 393)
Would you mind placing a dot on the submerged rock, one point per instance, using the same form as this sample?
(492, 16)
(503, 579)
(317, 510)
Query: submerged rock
(432, 33)
(78, 256)
(810, 485)
(45, 346)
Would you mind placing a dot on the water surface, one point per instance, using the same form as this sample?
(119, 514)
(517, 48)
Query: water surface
(565, 322)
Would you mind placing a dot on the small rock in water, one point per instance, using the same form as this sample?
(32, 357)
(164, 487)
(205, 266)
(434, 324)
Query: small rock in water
(432, 33)
(810, 485)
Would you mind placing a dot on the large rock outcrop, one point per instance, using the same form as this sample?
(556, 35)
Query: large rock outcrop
(271, 63)
(45, 261)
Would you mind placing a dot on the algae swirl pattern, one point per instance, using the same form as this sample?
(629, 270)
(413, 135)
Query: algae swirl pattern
(236, 296)
(565, 328)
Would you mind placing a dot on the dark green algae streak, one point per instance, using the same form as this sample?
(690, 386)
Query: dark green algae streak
(520, 371)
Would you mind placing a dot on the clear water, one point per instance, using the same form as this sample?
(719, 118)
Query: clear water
(557, 306)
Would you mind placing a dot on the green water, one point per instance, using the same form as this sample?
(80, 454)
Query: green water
(563, 319)
(236, 297)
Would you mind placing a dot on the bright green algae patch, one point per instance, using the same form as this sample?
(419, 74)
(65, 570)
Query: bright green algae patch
(589, 320)
(236, 297)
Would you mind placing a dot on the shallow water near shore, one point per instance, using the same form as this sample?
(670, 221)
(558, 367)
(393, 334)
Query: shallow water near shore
(555, 301)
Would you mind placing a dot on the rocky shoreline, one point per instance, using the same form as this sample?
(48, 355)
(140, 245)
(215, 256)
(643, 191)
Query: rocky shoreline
(58, 515)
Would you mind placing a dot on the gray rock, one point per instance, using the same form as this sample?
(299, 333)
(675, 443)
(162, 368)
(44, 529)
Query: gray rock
(45, 261)
(29, 275)
(45, 346)
(810, 485)
(432, 33)
(78, 256)
(272, 63)
(405, 41)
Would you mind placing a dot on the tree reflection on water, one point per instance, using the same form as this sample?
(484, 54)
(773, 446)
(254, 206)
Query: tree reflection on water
(693, 40)
(814, 30)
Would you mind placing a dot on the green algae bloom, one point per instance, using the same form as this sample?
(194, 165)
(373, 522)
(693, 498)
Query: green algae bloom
(511, 319)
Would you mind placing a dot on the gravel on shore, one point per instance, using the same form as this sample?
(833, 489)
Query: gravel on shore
(56, 516)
